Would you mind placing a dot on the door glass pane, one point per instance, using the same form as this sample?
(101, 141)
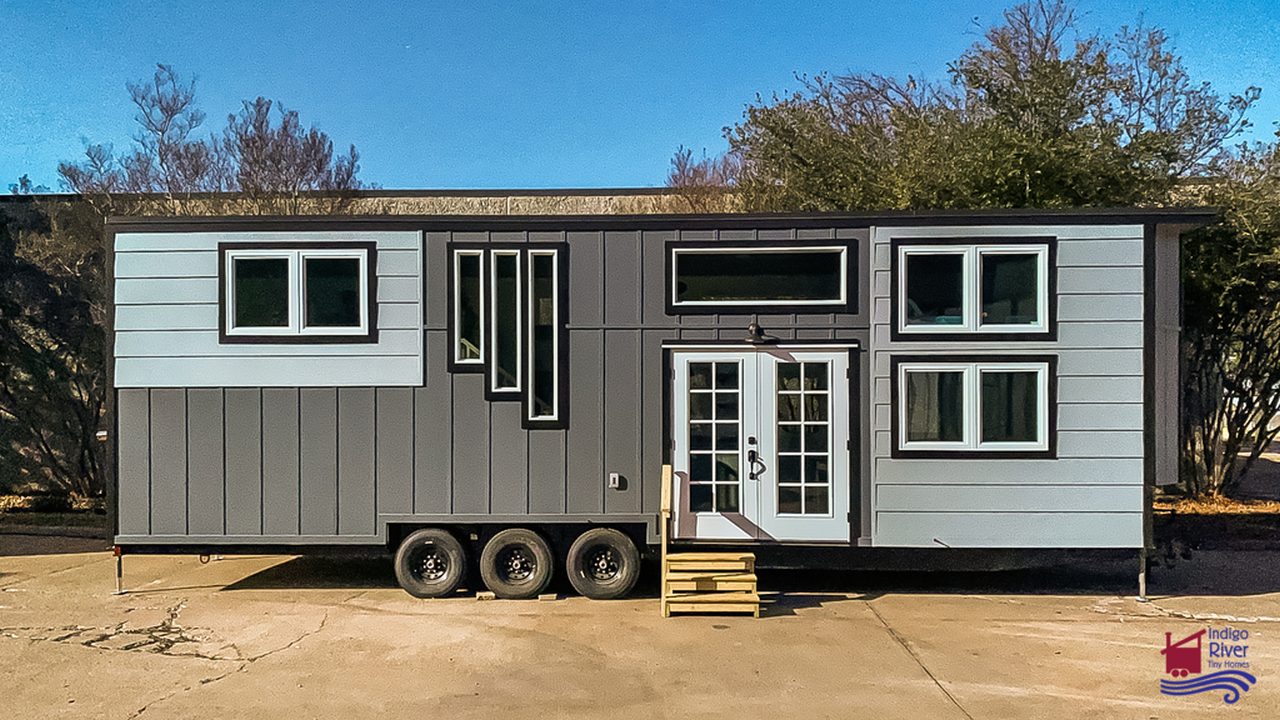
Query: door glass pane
(542, 305)
(700, 376)
(1010, 294)
(714, 436)
(506, 322)
(700, 436)
(468, 307)
(935, 289)
(789, 437)
(800, 276)
(332, 292)
(1010, 406)
(817, 499)
(261, 292)
(789, 500)
(802, 442)
(726, 375)
(935, 406)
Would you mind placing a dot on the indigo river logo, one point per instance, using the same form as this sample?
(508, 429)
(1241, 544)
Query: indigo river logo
(1227, 663)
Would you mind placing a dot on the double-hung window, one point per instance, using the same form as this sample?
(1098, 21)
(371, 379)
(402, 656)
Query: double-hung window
(508, 321)
(982, 406)
(290, 293)
(1001, 287)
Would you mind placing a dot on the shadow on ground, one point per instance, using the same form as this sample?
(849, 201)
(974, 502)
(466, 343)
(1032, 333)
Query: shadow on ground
(1205, 573)
(17, 544)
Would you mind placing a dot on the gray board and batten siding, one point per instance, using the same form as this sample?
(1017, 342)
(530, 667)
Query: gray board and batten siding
(256, 444)
(274, 444)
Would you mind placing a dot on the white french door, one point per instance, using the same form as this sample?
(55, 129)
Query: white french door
(760, 446)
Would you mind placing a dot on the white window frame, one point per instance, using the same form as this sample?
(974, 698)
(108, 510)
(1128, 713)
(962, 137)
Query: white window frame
(493, 321)
(971, 288)
(531, 350)
(971, 406)
(296, 293)
(674, 280)
(456, 340)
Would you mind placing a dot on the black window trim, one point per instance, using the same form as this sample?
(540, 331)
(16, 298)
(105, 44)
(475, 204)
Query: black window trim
(370, 249)
(896, 451)
(454, 365)
(561, 420)
(849, 246)
(561, 248)
(1049, 334)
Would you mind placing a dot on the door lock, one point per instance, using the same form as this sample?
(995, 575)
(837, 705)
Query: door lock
(753, 460)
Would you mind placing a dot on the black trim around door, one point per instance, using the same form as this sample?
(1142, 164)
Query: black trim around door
(856, 396)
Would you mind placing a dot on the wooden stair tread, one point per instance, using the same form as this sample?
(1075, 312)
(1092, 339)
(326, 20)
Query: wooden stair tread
(713, 597)
(710, 575)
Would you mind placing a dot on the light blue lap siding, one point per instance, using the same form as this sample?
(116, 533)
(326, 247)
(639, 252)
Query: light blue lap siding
(166, 330)
(1091, 495)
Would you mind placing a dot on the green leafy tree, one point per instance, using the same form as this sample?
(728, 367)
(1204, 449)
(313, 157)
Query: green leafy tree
(1039, 114)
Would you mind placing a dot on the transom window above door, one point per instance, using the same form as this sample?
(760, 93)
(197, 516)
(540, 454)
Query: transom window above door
(956, 289)
(784, 277)
(297, 293)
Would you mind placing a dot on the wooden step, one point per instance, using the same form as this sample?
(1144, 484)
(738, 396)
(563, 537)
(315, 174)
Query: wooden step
(717, 597)
(710, 581)
(721, 602)
(700, 562)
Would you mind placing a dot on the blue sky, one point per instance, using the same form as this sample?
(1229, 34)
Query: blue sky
(579, 94)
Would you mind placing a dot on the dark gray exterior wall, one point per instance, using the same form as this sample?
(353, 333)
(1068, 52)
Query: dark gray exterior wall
(328, 465)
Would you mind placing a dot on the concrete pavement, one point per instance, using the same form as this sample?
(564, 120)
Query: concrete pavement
(277, 637)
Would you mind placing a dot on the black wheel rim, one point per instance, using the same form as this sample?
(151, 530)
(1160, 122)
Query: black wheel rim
(429, 564)
(516, 564)
(602, 563)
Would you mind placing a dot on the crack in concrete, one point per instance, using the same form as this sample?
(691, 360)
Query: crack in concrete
(242, 665)
(912, 653)
(1163, 612)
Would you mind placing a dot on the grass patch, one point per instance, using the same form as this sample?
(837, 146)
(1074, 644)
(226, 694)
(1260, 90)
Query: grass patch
(1216, 506)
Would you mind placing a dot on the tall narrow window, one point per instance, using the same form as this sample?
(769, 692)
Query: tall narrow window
(544, 339)
(468, 307)
(505, 338)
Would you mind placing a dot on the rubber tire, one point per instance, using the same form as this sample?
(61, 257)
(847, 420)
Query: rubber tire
(623, 548)
(444, 542)
(531, 542)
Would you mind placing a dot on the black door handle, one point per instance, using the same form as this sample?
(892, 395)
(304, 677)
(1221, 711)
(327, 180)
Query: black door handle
(753, 459)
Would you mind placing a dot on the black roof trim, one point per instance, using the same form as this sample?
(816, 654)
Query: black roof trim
(266, 223)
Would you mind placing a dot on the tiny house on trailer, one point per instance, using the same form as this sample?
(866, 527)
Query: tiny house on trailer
(505, 391)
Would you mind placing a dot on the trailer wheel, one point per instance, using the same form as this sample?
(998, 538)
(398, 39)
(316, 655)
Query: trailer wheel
(516, 564)
(603, 564)
(430, 563)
